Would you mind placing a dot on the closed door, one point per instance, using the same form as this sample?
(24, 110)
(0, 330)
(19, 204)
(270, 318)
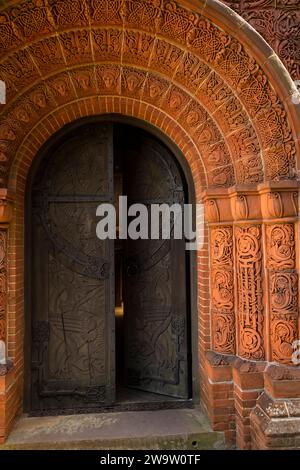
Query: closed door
(72, 356)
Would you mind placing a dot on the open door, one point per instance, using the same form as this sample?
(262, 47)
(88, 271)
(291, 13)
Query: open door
(72, 291)
(155, 300)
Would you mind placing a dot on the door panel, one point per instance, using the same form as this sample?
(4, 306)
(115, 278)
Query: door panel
(155, 303)
(73, 275)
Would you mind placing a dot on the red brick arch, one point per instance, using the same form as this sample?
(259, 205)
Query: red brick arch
(200, 74)
(99, 105)
(197, 72)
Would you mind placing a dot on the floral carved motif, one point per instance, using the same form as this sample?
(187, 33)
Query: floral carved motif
(47, 54)
(76, 46)
(137, 47)
(107, 44)
(166, 57)
(223, 321)
(249, 284)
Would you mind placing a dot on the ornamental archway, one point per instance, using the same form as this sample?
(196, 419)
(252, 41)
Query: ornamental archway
(199, 73)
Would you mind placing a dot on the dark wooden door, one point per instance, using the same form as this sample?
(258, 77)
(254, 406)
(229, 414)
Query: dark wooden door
(72, 357)
(155, 300)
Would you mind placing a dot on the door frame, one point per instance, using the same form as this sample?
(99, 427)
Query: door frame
(191, 256)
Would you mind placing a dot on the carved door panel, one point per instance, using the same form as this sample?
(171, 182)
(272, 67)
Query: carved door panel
(73, 276)
(155, 301)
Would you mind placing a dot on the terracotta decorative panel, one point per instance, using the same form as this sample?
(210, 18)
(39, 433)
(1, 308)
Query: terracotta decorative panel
(278, 23)
(222, 295)
(283, 288)
(249, 286)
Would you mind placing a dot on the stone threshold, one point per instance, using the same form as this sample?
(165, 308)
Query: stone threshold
(183, 429)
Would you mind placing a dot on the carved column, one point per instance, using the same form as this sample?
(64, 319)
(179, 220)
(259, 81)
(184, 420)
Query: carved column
(250, 324)
(222, 293)
(281, 208)
(248, 274)
(221, 274)
(250, 320)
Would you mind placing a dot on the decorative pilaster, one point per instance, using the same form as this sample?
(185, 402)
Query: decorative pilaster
(249, 292)
(222, 292)
(283, 288)
(254, 237)
(281, 211)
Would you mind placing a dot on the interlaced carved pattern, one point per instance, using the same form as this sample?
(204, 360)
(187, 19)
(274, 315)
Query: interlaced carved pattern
(283, 287)
(190, 46)
(278, 23)
(249, 283)
(105, 12)
(223, 321)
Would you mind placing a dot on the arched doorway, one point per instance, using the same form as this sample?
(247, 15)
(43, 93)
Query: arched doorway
(108, 320)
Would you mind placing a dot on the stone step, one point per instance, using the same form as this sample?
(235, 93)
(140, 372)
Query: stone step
(184, 429)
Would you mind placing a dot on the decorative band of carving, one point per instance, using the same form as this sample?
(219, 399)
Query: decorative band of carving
(49, 47)
(223, 321)
(283, 291)
(217, 359)
(249, 286)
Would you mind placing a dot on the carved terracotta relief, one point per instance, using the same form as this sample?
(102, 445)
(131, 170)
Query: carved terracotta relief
(222, 295)
(249, 292)
(278, 23)
(177, 46)
(283, 291)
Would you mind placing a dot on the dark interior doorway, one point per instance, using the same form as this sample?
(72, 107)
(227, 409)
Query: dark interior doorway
(150, 277)
(108, 321)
